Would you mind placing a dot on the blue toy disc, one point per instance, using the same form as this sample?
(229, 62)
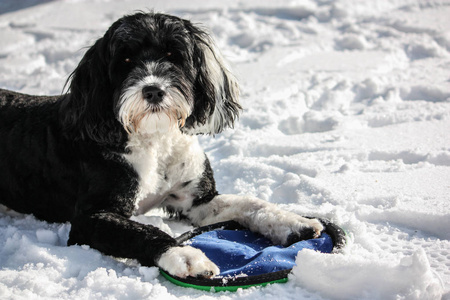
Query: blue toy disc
(246, 258)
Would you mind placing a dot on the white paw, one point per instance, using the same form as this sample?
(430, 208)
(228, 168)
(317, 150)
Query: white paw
(316, 225)
(187, 261)
(289, 228)
(303, 229)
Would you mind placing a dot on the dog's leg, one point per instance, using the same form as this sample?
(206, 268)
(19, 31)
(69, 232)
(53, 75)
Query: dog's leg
(281, 226)
(115, 235)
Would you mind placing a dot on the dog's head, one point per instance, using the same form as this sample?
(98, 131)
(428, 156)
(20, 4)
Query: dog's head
(151, 72)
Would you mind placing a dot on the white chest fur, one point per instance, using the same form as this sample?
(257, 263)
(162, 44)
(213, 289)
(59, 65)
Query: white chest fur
(169, 166)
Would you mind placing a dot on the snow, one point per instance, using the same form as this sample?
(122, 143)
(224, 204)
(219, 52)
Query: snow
(347, 116)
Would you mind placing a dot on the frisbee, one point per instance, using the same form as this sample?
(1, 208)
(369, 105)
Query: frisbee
(247, 259)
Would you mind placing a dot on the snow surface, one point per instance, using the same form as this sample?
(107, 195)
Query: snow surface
(347, 116)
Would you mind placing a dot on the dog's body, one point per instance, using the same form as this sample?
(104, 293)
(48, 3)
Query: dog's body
(122, 141)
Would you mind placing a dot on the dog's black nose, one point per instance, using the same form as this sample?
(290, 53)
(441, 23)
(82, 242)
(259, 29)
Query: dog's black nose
(153, 94)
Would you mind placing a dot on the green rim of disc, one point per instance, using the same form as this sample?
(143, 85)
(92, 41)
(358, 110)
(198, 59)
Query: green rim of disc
(218, 288)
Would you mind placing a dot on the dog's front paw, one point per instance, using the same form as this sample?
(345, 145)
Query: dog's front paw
(187, 261)
(288, 228)
(304, 230)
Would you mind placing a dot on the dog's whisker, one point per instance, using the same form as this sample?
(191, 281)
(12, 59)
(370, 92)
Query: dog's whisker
(135, 111)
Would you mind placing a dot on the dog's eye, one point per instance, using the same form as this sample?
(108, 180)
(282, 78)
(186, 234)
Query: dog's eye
(169, 54)
(127, 60)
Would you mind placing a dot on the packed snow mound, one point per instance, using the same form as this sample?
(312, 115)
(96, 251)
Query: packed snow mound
(346, 116)
(354, 277)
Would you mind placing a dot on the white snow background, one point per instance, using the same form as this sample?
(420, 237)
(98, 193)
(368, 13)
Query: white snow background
(347, 116)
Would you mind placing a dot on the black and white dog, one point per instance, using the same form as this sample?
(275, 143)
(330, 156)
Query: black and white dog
(123, 141)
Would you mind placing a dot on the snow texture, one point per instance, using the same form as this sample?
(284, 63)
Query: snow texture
(347, 116)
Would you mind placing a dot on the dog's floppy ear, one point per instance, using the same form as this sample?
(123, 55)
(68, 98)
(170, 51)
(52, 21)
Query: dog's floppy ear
(216, 103)
(87, 111)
